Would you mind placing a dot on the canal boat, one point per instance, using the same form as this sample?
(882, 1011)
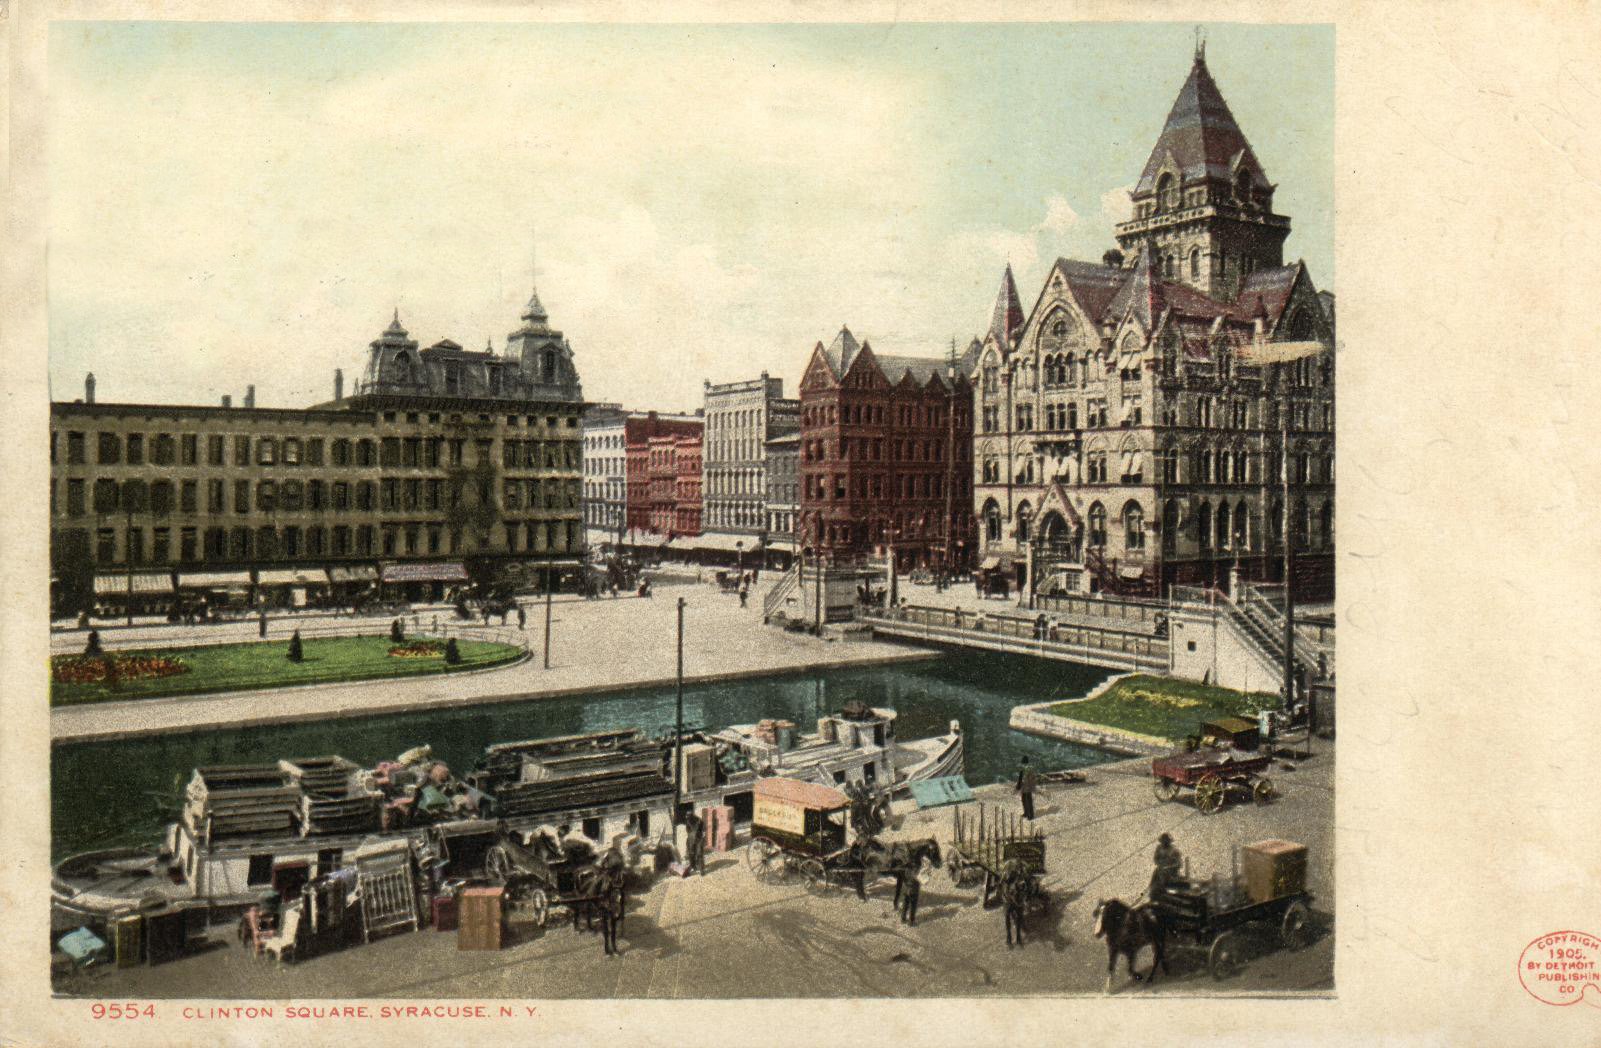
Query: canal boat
(244, 830)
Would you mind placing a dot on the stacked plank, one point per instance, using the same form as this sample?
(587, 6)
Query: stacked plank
(226, 800)
(332, 798)
(589, 791)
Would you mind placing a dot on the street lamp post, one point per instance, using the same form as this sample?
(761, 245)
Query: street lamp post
(549, 585)
(678, 724)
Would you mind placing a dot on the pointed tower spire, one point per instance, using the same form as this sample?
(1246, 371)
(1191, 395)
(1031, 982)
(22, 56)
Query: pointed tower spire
(1007, 318)
(394, 325)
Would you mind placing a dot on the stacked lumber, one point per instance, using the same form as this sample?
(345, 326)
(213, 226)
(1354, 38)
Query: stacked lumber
(332, 797)
(589, 791)
(241, 799)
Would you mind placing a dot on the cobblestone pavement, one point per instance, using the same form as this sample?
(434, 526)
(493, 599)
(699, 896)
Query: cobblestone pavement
(728, 935)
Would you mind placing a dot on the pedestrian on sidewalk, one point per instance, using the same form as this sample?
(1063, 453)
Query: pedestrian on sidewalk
(522, 617)
(695, 843)
(744, 593)
(261, 623)
(1026, 784)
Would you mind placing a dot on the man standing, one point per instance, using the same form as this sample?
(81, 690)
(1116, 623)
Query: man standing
(522, 617)
(695, 842)
(910, 892)
(1026, 783)
(744, 593)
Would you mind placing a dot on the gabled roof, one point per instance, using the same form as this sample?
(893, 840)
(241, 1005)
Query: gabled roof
(1138, 294)
(921, 369)
(1269, 287)
(1092, 285)
(1201, 136)
(842, 351)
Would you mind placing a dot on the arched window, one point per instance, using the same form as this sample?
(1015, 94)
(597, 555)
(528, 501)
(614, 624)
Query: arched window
(1133, 526)
(1170, 526)
(1195, 263)
(1167, 198)
(1203, 525)
(1326, 526)
(1223, 526)
(548, 366)
(1025, 517)
(1242, 187)
(402, 367)
(1097, 525)
(992, 522)
(1241, 532)
(1167, 267)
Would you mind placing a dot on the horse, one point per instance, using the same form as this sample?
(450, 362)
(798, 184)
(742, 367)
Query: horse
(1017, 887)
(1125, 929)
(602, 893)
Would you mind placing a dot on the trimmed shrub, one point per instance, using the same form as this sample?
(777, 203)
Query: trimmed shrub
(297, 652)
(93, 647)
(452, 653)
(397, 634)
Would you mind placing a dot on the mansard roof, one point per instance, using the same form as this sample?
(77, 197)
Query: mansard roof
(1201, 136)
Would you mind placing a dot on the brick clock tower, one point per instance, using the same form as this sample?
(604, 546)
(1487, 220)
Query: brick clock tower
(1203, 207)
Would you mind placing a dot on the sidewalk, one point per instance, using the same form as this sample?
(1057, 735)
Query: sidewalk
(728, 935)
(596, 645)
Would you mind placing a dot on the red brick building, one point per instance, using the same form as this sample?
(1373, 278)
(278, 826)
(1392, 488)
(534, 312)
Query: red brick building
(885, 455)
(687, 515)
(638, 431)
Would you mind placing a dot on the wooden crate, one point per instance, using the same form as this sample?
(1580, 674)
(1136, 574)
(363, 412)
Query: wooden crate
(128, 940)
(1273, 869)
(481, 918)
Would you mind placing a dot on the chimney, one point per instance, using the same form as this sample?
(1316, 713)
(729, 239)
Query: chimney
(339, 384)
(89, 388)
(227, 400)
(250, 396)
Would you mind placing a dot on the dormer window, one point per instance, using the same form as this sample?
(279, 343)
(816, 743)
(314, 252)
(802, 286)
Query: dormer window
(1242, 187)
(548, 367)
(452, 376)
(1167, 195)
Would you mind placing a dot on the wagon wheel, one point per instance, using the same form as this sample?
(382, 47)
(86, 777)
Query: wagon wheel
(764, 858)
(1209, 794)
(1293, 929)
(498, 865)
(1262, 790)
(816, 875)
(1166, 789)
(1224, 958)
(539, 906)
(965, 874)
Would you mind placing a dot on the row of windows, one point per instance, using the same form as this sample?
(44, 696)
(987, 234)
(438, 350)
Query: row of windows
(164, 449)
(869, 414)
(822, 487)
(875, 449)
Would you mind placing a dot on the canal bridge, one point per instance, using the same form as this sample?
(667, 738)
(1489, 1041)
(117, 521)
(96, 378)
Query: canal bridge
(1136, 644)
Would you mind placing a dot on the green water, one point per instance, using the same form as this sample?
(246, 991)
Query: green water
(105, 794)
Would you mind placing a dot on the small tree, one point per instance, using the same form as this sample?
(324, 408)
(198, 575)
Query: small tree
(452, 653)
(93, 647)
(297, 652)
(397, 634)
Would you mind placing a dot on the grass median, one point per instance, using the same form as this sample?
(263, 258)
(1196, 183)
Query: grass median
(151, 673)
(1164, 707)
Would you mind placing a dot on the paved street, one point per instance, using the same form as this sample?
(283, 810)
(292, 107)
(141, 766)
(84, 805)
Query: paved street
(595, 645)
(728, 935)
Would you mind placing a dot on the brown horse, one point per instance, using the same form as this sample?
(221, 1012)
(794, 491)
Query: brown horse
(602, 893)
(1125, 929)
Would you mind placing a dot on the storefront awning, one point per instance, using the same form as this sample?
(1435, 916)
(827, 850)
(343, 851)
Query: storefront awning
(214, 580)
(143, 582)
(447, 572)
(721, 540)
(352, 573)
(781, 545)
(1131, 571)
(290, 577)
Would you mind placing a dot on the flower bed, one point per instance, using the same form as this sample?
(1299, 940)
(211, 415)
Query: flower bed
(97, 669)
(418, 649)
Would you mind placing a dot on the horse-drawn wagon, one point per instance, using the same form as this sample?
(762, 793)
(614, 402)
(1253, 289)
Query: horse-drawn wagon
(1268, 887)
(796, 827)
(546, 871)
(1211, 773)
(992, 844)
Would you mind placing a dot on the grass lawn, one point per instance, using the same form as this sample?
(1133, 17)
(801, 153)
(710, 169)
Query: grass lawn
(1166, 708)
(264, 664)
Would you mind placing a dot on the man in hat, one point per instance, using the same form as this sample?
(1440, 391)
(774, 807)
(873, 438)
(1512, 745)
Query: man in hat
(1168, 865)
(1026, 783)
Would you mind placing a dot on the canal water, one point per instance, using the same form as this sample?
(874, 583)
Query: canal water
(123, 792)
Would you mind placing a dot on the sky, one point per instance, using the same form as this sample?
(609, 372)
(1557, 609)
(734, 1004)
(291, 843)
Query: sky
(236, 204)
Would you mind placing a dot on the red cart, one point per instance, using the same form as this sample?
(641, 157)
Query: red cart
(1211, 773)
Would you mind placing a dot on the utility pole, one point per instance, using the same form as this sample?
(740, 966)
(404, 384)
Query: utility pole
(1289, 543)
(678, 729)
(550, 584)
(950, 458)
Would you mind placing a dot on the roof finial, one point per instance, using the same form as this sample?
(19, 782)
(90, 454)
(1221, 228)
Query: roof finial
(1200, 45)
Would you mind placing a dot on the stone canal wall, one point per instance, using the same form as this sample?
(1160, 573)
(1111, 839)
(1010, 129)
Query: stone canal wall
(1037, 719)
